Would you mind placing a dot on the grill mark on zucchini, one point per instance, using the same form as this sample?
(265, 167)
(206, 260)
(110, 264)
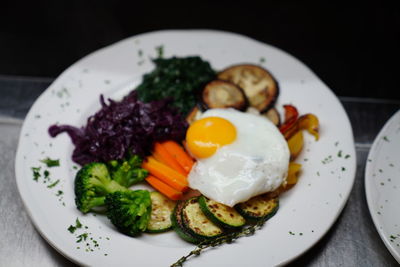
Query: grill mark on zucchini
(273, 115)
(260, 207)
(220, 214)
(197, 223)
(161, 210)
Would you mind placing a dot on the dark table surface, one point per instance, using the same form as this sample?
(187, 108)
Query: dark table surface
(352, 241)
(352, 47)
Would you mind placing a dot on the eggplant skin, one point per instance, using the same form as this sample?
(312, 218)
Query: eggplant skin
(273, 115)
(194, 114)
(258, 84)
(223, 94)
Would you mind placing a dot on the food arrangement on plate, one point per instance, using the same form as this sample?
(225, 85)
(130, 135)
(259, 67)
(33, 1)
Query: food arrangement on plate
(212, 145)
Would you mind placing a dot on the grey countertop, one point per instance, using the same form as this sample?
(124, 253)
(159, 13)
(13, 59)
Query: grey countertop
(352, 241)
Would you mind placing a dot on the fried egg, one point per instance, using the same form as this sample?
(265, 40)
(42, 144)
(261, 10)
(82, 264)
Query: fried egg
(239, 155)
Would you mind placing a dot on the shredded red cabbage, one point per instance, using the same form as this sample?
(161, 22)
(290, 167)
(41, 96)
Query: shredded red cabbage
(123, 126)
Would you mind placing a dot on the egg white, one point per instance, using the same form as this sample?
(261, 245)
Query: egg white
(255, 163)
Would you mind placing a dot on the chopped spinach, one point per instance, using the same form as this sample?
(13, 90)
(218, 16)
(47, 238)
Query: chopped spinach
(177, 78)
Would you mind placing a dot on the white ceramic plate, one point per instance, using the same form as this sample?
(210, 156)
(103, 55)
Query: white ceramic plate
(306, 212)
(382, 184)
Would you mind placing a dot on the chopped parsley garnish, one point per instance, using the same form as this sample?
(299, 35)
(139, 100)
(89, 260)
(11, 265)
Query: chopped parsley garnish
(53, 184)
(386, 139)
(160, 51)
(336, 143)
(347, 156)
(339, 154)
(78, 223)
(59, 193)
(82, 237)
(63, 92)
(72, 228)
(46, 174)
(327, 159)
(36, 173)
(51, 162)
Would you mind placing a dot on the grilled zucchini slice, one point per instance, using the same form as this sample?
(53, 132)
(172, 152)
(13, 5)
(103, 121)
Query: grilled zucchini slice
(177, 224)
(221, 214)
(260, 207)
(259, 85)
(196, 223)
(223, 94)
(161, 210)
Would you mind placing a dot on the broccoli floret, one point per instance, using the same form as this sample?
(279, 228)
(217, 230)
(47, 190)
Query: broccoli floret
(127, 172)
(129, 211)
(92, 184)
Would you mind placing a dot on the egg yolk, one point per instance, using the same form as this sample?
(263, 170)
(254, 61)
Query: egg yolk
(206, 135)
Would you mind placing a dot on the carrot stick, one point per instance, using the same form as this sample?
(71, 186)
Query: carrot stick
(161, 154)
(179, 154)
(158, 157)
(163, 188)
(165, 174)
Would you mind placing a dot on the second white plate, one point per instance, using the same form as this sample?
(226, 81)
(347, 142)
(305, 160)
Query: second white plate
(382, 184)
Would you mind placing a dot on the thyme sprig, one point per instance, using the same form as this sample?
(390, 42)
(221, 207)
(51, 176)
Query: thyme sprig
(225, 239)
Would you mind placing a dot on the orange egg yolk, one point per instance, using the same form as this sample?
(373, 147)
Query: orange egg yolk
(206, 135)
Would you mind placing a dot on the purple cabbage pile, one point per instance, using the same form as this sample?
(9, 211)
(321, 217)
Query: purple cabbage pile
(123, 127)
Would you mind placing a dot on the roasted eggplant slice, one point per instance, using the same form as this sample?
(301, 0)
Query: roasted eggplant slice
(259, 85)
(273, 115)
(193, 115)
(223, 94)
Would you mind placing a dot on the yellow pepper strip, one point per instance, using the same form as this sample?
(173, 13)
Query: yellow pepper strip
(291, 180)
(310, 123)
(295, 144)
(294, 169)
